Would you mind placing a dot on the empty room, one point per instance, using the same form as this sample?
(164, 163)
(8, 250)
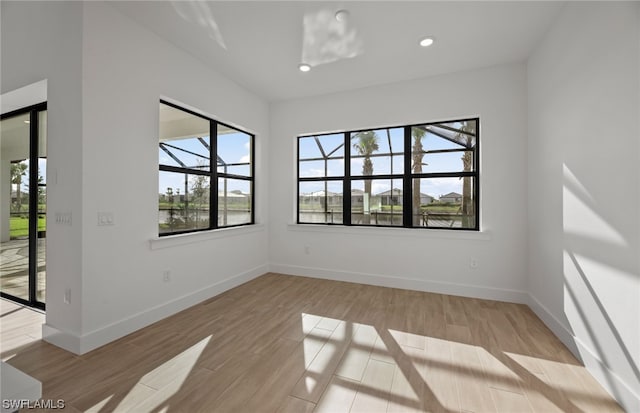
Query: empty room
(415, 206)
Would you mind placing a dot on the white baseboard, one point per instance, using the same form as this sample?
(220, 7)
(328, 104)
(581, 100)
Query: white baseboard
(114, 331)
(556, 326)
(617, 387)
(439, 287)
(68, 341)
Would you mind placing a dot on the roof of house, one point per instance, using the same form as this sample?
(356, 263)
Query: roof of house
(394, 191)
(451, 195)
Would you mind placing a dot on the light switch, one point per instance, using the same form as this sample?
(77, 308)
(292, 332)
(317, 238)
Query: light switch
(63, 218)
(105, 218)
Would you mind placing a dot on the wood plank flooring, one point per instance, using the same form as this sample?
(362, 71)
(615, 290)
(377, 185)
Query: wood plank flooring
(294, 344)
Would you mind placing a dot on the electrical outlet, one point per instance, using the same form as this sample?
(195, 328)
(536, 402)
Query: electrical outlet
(166, 276)
(67, 296)
(105, 218)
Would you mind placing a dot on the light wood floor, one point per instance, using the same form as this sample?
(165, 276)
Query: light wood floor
(294, 344)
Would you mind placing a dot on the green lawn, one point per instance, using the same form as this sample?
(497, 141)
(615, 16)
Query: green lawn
(19, 226)
(441, 208)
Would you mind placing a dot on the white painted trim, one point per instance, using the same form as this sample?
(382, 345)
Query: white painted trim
(17, 386)
(116, 330)
(182, 239)
(617, 388)
(62, 339)
(423, 233)
(382, 280)
(556, 326)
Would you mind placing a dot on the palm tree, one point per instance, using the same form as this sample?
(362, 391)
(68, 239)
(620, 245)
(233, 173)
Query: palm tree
(468, 213)
(18, 170)
(417, 154)
(366, 145)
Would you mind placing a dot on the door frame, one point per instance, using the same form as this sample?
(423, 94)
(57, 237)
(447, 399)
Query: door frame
(34, 124)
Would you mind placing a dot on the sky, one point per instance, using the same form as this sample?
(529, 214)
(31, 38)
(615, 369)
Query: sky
(437, 162)
(235, 148)
(232, 148)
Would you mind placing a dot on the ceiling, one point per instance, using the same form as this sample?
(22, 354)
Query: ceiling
(260, 44)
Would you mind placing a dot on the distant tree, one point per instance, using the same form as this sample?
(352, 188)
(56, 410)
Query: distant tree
(18, 170)
(366, 145)
(199, 189)
(417, 157)
(172, 221)
(40, 188)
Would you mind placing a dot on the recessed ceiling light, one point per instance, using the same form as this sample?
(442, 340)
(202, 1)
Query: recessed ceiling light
(304, 67)
(342, 15)
(427, 41)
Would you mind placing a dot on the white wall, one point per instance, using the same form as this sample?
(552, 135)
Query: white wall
(106, 75)
(43, 40)
(584, 195)
(420, 259)
(126, 69)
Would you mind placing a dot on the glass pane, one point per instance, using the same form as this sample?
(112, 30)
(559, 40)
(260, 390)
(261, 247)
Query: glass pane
(320, 147)
(234, 151)
(317, 169)
(454, 207)
(308, 148)
(312, 169)
(446, 135)
(183, 202)
(42, 207)
(376, 202)
(447, 162)
(184, 139)
(14, 209)
(372, 152)
(234, 202)
(320, 202)
(397, 164)
(321, 156)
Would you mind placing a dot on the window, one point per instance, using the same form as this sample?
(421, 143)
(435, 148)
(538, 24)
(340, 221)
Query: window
(193, 194)
(417, 176)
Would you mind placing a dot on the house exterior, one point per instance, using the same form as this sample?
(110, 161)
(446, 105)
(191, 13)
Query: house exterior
(451, 198)
(320, 197)
(395, 197)
(357, 197)
(426, 199)
(391, 197)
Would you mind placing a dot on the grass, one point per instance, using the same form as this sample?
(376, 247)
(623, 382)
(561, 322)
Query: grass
(442, 208)
(19, 226)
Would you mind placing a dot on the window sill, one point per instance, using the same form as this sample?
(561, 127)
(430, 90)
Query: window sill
(392, 232)
(182, 239)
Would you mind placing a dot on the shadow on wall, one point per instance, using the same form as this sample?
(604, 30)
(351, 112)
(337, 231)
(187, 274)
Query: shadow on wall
(599, 274)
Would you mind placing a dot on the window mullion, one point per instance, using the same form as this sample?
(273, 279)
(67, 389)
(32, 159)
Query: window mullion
(213, 168)
(407, 208)
(346, 187)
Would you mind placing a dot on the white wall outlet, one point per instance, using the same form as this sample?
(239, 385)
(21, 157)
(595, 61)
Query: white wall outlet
(67, 296)
(105, 218)
(166, 276)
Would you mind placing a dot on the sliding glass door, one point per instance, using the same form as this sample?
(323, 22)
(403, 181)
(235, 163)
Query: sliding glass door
(23, 205)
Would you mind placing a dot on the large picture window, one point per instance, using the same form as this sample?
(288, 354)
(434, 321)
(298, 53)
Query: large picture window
(206, 173)
(416, 176)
